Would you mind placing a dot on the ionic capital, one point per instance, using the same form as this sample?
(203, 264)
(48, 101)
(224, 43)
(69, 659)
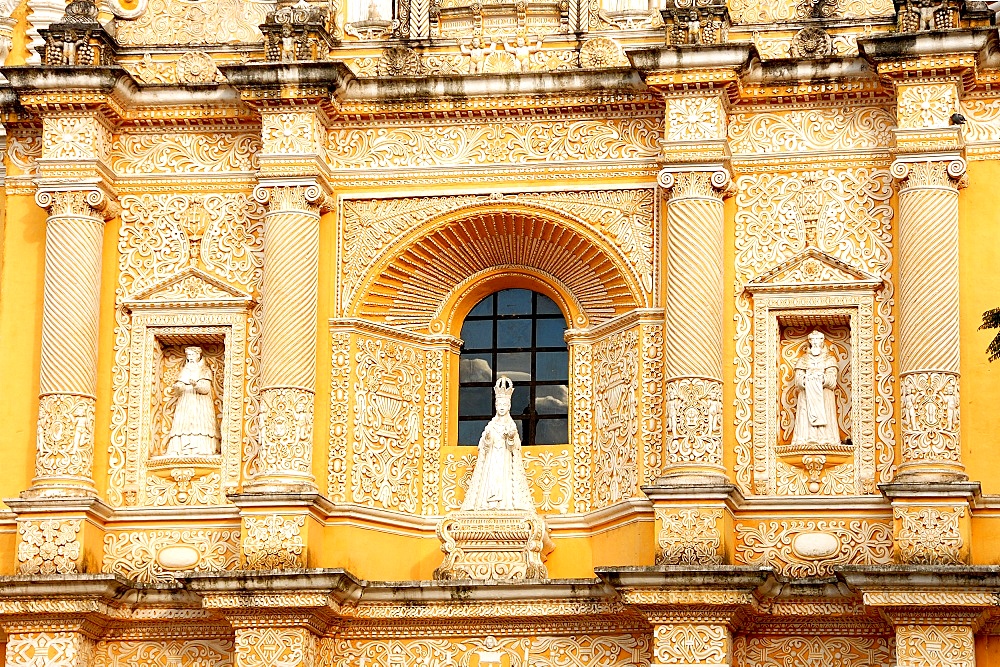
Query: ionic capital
(689, 182)
(932, 170)
(87, 200)
(305, 194)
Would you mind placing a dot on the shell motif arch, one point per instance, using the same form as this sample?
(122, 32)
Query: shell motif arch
(420, 281)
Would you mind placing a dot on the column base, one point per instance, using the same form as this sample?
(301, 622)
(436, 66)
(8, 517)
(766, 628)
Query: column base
(932, 521)
(280, 531)
(59, 535)
(694, 520)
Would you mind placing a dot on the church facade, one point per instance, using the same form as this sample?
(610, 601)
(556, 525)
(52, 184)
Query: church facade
(290, 292)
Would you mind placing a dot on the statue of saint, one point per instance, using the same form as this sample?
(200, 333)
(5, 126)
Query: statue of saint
(498, 480)
(195, 431)
(816, 411)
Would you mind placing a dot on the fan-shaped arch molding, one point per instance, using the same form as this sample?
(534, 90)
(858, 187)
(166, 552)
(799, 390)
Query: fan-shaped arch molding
(416, 283)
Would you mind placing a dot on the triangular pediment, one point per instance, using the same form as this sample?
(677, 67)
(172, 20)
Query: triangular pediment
(813, 269)
(190, 286)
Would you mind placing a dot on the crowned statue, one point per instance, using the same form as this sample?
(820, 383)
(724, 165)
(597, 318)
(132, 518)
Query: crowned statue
(816, 411)
(195, 430)
(498, 480)
(497, 534)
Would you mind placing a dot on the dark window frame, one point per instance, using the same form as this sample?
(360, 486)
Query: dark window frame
(530, 419)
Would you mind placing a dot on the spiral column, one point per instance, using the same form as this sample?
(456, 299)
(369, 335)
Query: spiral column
(929, 319)
(74, 233)
(693, 340)
(289, 294)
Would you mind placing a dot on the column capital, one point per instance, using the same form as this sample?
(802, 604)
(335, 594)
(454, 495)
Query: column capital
(303, 194)
(705, 180)
(930, 170)
(91, 199)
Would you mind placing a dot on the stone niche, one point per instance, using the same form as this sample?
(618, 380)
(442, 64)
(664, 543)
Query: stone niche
(185, 478)
(191, 308)
(813, 291)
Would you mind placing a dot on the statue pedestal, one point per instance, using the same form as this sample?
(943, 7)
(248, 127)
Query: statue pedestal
(493, 545)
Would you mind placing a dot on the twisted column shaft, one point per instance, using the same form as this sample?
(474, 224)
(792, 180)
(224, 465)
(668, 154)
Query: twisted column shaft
(289, 294)
(693, 340)
(929, 319)
(74, 235)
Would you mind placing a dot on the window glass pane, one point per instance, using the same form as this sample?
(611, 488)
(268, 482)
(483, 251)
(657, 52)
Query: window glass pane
(547, 306)
(477, 335)
(520, 429)
(549, 333)
(519, 401)
(552, 400)
(475, 401)
(552, 366)
(514, 302)
(516, 365)
(483, 308)
(514, 333)
(475, 368)
(552, 432)
(469, 431)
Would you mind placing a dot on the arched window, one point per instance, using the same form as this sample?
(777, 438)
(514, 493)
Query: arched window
(517, 333)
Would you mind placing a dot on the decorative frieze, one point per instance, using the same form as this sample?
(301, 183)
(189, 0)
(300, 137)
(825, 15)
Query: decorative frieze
(812, 547)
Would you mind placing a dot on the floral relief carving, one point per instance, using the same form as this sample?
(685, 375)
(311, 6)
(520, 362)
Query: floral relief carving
(64, 440)
(982, 116)
(684, 644)
(688, 536)
(273, 542)
(501, 142)
(929, 535)
(926, 105)
(51, 649)
(846, 215)
(694, 421)
(652, 400)
(800, 130)
(290, 132)
(797, 548)
(615, 369)
(49, 546)
(582, 423)
(695, 119)
(765, 651)
(940, 645)
(929, 416)
(207, 22)
(285, 427)
(540, 651)
(340, 386)
(433, 416)
(275, 647)
(751, 11)
(185, 153)
(23, 151)
(74, 138)
(135, 555)
(164, 653)
(456, 473)
(387, 416)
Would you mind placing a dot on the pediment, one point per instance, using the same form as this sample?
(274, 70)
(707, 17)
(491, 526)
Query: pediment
(189, 287)
(813, 269)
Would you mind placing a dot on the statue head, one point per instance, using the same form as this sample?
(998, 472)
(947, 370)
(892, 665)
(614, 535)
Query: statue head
(503, 388)
(520, 40)
(816, 343)
(477, 43)
(192, 354)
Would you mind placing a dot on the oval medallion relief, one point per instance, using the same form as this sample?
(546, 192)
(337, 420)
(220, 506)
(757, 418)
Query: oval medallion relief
(813, 546)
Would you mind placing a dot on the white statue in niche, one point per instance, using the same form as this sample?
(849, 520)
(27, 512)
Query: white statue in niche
(194, 431)
(498, 480)
(816, 410)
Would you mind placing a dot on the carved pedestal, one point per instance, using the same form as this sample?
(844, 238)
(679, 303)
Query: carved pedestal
(493, 545)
